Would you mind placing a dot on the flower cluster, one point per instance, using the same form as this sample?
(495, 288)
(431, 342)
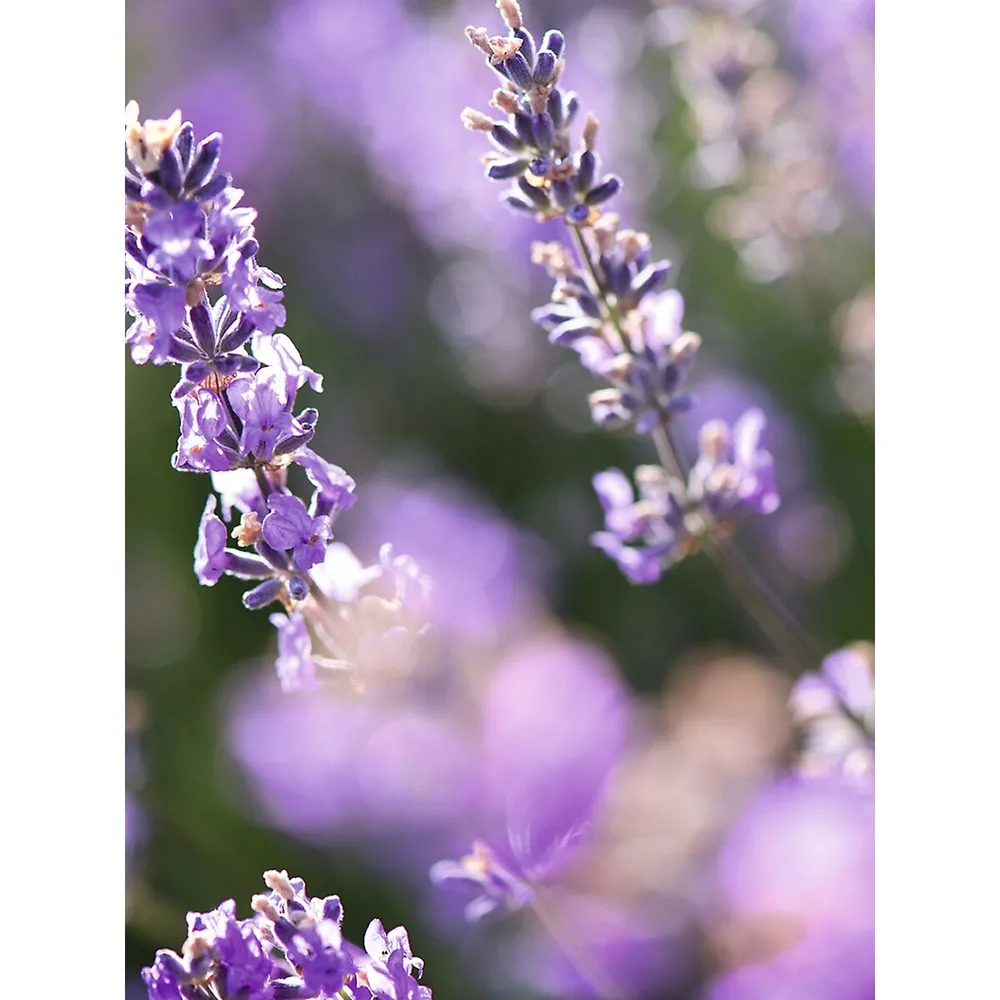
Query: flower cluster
(832, 743)
(293, 948)
(187, 241)
(606, 304)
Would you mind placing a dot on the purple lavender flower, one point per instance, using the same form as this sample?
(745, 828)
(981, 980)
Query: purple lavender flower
(292, 948)
(211, 557)
(262, 403)
(645, 536)
(210, 553)
(161, 305)
(295, 665)
(206, 442)
(289, 526)
(176, 238)
(799, 866)
(393, 971)
(334, 491)
(833, 745)
(497, 888)
(544, 777)
(733, 467)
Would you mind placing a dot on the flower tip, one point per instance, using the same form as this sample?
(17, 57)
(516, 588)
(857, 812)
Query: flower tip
(510, 11)
(262, 905)
(279, 883)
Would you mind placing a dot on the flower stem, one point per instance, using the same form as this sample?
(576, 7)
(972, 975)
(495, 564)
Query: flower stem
(592, 974)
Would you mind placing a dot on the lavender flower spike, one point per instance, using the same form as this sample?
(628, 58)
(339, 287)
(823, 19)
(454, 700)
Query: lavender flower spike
(609, 304)
(201, 301)
(293, 947)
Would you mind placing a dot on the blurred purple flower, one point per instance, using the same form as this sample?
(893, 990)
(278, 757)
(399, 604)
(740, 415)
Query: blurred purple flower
(837, 40)
(802, 858)
(554, 724)
(481, 566)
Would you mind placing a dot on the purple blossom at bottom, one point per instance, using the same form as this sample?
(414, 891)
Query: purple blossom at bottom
(292, 948)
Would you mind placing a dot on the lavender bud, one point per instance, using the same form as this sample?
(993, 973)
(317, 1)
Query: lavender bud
(213, 188)
(204, 331)
(503, 170)
(589, 304)
(649, 278)
(607, 409)
(608, 188)
(681, 404)
(617, 277)
(206, 160)
(562, 193)
(133, 189)
(227, 364)
(670, 378)
(504, 138)
(572, 106)
(292, 444)
(262, 595)
(279, 560)
(578, 214)
(524, 126)
(510, 11)
(544, 131)
(183, 352)
(197, 372)
(518, 69)
(534, 194)
(527, 44)
(571, 331)
(556, 108)
(184, 144)
(298, 588)
(245, 566)
(714, 440)
(172, 962)
(586, 170)
(684, 348)
(516, 202)
(540, 166)
(291, 989)
(236, 336)
(554, 42)
(169, 171)
(545, 67)
(308, 417)
(476, 121)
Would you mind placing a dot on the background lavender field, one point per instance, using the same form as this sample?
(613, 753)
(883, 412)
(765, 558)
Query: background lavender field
(743, 132)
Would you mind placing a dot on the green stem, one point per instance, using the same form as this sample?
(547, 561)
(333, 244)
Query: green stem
(594, 976)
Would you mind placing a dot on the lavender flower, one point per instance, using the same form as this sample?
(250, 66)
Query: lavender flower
(607, 305)
(832, 745)
(292, 948)
(201, 300)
